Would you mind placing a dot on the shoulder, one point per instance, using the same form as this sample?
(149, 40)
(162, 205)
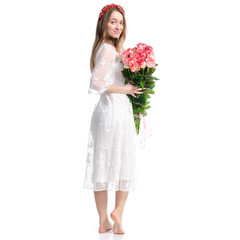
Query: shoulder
(108, 45)
(106, 50)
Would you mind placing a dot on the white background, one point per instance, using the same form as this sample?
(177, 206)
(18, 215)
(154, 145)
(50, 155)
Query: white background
(188, 173)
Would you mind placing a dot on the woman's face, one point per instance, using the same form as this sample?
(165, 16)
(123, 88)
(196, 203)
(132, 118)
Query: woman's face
(115, 24)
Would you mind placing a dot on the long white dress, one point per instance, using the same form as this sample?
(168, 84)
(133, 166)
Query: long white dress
(111, 155)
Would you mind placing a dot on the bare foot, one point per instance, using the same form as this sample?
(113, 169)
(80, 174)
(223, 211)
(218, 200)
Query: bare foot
(105, 226)
(117, 218)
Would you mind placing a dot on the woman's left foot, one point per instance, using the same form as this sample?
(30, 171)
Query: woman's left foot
(117, 218)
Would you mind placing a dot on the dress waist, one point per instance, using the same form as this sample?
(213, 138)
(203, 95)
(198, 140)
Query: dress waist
(114, 102)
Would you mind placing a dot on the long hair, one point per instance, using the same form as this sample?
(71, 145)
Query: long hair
(101, 35)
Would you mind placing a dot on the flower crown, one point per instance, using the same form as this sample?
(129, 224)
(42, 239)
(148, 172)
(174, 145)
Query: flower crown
(108, 7)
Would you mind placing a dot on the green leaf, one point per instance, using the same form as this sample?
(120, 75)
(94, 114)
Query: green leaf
(141, 84)
(144, 113)
(125, 73)
(150, 84)
(136, 110)
(151, 91)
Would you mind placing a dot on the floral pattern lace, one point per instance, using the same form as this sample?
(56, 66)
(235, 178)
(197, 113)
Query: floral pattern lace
(111, 152)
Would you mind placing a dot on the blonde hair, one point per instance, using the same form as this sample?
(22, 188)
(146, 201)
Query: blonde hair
(101, 35)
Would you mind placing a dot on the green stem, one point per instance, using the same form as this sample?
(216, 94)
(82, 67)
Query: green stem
(130, 74)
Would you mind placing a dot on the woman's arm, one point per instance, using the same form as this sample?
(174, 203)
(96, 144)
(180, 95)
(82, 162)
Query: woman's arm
(99, 80)
(126, 89)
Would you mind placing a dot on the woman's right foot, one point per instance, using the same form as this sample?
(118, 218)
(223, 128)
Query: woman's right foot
(104, 227)
(117, 218)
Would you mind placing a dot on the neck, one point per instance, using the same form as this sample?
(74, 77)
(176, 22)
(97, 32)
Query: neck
(110, 42)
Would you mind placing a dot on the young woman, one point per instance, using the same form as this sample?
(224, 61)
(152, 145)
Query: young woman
(112, 137)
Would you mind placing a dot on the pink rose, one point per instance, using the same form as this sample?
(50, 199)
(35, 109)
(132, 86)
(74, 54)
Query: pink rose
(134, 66)
(150, 62)
(141, 46)
(134, 50)
(142, 63)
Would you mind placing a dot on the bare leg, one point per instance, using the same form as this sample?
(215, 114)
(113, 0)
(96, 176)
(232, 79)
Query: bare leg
(116, 215)
(101, 199)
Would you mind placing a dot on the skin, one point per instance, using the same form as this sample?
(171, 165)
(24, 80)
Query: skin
(101, 199)
(114, 29)
(115, 25)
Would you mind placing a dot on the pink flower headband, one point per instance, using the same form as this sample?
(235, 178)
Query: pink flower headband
(108, 7)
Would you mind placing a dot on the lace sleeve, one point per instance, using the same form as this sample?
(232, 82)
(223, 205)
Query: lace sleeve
(102, 76)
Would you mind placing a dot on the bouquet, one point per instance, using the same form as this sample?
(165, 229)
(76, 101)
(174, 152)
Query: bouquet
(139, 65)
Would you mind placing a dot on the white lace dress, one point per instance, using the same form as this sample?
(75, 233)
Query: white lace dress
(112, 138)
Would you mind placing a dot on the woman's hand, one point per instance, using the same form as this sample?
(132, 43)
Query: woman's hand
(131, 89)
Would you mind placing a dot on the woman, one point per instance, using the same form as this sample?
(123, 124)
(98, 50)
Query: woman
(112, 137)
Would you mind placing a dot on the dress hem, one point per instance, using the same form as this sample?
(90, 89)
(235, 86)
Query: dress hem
(110, 189)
